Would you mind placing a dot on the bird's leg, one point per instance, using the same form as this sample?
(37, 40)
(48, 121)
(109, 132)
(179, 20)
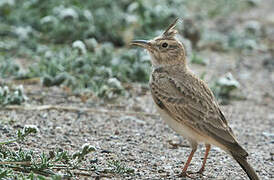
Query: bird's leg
(184, 172)
(205, 158)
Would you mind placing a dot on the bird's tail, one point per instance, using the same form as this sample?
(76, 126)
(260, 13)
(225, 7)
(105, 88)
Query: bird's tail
(246, 166)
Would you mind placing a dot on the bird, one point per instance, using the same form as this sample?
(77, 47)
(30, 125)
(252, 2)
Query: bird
(186, 103)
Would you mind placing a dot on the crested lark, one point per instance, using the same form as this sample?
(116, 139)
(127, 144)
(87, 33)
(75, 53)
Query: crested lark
(186, 103)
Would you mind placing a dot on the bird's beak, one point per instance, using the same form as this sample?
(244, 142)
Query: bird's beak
(141, 43)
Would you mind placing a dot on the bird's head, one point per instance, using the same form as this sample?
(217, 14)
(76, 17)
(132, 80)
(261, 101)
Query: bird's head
(164, 49)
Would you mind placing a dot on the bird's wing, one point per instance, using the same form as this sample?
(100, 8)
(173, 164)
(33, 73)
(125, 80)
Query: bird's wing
(188, 100)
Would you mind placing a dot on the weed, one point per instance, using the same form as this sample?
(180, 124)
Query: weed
(26, 164)
(41, 31)
(8, 68)
(117, 167)
(15, 96)
(38, 166)
(86, 149)
(224, 86)
(196, 59)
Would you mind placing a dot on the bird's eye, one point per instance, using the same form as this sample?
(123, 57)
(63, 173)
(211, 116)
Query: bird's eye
(164, 45)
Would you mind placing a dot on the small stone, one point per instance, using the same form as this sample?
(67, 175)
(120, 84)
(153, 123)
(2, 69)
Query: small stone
(106, 151)
(268, 134)
(93, 160)
(116, 132)
(58, 129)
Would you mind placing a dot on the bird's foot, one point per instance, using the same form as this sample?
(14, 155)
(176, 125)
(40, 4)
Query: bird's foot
(200, 171)
(186, 174)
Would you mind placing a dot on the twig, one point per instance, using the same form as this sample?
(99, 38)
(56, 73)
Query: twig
(48, 173)
(93, 176)
(77, 109)
(59, 166)
(44, 173)
(9, 141)
(83, 174)
(26, 163)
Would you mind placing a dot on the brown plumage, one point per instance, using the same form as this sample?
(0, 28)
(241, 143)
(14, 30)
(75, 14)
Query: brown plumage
(186, 103)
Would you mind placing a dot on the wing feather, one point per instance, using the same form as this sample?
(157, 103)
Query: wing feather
(190, 101)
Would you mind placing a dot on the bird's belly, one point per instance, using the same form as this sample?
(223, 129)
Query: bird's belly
(182, 129)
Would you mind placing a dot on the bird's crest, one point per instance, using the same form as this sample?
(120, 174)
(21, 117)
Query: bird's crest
(170, 31)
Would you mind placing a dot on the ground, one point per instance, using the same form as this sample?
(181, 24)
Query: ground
(144, 142)
(129, 130)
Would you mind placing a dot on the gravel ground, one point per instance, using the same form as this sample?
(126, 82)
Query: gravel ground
(145, 143)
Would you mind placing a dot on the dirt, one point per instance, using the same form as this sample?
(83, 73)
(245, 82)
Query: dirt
(145, 143)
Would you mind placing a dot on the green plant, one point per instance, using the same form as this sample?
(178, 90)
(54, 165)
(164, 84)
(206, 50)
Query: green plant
(8, 68)
(82, 45)
(224, 86)
(117, 167)
(38, 166)
(16, 96)
(196, 59)
(102, 72)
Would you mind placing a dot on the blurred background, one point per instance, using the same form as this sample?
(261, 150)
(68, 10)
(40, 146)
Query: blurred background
(74, 96)
(84, 45)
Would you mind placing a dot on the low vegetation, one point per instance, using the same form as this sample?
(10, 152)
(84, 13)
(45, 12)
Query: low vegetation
(84, 48)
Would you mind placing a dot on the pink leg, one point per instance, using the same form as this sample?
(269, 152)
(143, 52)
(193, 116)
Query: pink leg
(184, 173)
(205, 158)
